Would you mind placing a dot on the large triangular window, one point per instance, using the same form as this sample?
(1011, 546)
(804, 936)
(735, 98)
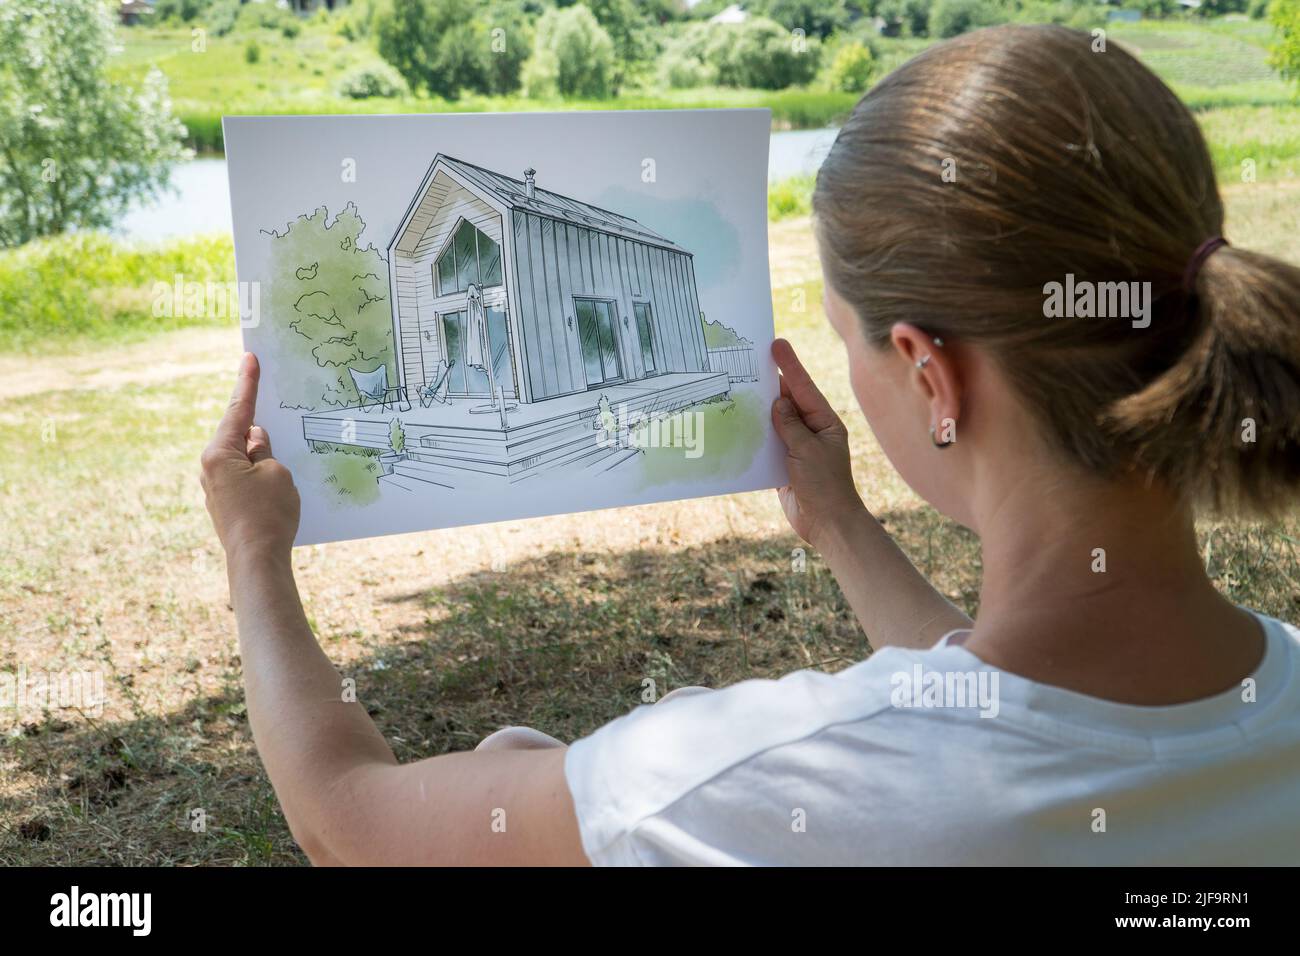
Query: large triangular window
(470, 257)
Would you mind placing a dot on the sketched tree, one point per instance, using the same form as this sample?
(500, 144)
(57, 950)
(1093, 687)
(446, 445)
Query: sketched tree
(76, 148)
(329, 299)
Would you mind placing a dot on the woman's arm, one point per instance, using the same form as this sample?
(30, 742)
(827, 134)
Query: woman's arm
(345, 796)
(893, 602)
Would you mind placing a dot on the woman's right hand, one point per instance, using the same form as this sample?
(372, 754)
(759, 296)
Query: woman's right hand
(821, 495)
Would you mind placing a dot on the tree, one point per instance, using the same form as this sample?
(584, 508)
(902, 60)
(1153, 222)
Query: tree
(949, 18)
(329, 298)
(76, 148)
(819, 18)
(629, 30)
(572, 56)
(760, 53)
(446, 46)
(910, 17)
(1284, 55)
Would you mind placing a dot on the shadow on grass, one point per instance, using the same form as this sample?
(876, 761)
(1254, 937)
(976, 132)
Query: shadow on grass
(564, 641)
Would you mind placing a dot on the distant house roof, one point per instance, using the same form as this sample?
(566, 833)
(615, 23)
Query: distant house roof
(732, 14)
(513, 194)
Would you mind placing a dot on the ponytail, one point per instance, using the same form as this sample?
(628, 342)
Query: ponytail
(1222, 425)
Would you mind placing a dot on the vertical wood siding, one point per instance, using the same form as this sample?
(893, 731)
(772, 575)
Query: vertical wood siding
(554, 261)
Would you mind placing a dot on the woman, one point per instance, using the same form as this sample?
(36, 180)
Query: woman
(1106, 706)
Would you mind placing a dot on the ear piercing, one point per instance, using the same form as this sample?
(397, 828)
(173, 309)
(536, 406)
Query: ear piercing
(924, 360)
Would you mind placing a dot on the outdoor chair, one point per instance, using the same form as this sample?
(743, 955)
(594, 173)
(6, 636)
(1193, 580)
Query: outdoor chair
(436, 391)
(373, 389)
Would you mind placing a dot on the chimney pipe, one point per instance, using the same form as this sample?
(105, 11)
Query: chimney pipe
(530, 183)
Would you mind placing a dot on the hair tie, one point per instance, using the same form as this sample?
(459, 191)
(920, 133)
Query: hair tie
(1203, 252)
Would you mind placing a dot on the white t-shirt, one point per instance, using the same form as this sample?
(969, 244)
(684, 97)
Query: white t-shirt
(892, 762)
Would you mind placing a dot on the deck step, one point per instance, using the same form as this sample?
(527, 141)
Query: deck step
(500, 447)
(611, 460)
(520, 462)
(429, 474)
(399, 481)
(591, 457)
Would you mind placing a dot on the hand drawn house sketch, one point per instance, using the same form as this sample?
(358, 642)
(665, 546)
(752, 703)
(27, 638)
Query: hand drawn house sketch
(527, 327)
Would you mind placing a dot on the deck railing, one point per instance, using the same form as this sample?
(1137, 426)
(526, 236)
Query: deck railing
(736, 360)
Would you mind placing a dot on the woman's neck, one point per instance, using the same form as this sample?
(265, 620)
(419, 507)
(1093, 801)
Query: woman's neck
(1100, 588)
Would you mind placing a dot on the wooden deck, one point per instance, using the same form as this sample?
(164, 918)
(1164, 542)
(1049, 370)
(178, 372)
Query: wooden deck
(447, 445)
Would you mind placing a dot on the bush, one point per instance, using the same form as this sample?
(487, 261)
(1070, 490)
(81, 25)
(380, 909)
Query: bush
(180, 10)
(762, 54)
(819, 18)
(222, 17)
(87, 285)
(572, 56)
(948, 18)
(790, 197)
(443, 47)
(374, 80)
(268, 16)
(252, 52)
(758, 53)
(852, 68)
(1080, 14)
(679, 69)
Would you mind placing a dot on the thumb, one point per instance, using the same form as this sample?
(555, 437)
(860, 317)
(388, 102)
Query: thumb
(789, 423)
(259, 444)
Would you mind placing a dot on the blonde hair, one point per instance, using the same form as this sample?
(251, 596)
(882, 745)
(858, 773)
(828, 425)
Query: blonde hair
(1008, 158)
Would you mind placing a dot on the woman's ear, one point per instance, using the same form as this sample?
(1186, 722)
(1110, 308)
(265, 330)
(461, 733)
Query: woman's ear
(934, 374)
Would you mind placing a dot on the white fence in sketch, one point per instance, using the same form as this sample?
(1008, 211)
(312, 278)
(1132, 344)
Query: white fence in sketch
(736, 360)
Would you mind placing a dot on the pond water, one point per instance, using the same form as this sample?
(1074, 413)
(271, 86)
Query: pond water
(200, 198)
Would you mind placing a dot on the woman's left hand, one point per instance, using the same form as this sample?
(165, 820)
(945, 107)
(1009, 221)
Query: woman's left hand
(821, 496)
(250, 496)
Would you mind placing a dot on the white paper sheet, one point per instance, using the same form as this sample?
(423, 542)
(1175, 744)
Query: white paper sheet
(477, 317)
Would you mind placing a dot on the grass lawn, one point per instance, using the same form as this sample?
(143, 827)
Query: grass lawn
(107, 563)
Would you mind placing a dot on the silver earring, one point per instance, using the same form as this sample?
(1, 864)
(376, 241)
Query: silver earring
(939, 444)
(938, 341)
(923, 361)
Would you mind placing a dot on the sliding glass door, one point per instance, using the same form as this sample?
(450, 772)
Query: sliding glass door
(466, 379)
(598, 331)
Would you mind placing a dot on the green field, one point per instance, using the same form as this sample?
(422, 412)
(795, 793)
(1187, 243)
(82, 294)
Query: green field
(301, 74)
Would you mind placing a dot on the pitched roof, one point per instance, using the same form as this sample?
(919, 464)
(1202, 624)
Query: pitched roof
(513, 193)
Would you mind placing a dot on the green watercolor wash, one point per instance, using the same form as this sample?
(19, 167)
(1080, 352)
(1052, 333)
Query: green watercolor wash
(732, 431)
(350, 478)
